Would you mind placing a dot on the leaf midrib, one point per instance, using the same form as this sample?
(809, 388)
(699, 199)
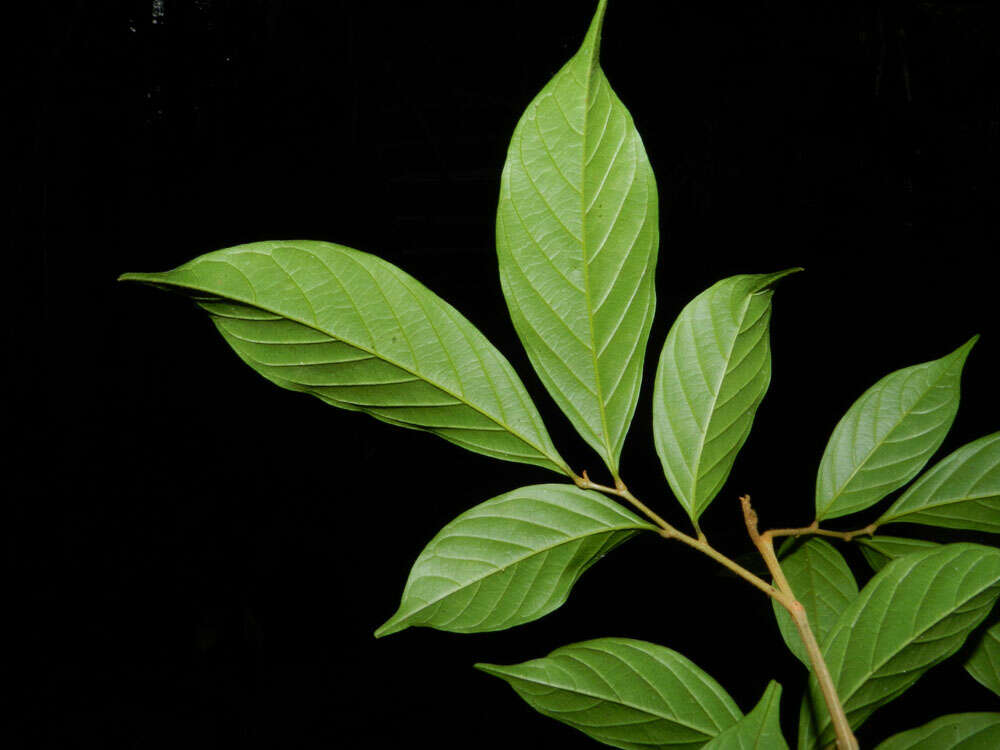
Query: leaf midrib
(460, 398)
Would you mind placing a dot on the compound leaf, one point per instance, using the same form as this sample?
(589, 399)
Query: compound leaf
(823, 583)
(879, 550)
(961, 491)
(625, 693)
(984, 662)
(714, 370)
(758, 730)
(979, 731)
(361, 334)
(874, 655)
(888, 435)
(577, 235)
(510, 560)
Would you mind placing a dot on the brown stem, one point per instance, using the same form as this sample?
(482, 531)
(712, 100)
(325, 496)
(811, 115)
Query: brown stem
(814, 528)
(765, 545)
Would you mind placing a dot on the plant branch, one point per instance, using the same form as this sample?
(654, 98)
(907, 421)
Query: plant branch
(814, 528)
(765, 545)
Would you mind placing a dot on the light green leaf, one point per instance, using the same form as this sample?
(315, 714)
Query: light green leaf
(713, 373)
(807, 722)
(984, 663)
(363, 335)
(624, 693)
(758, 730)
(874, 655)
(979, 731)
(823, 583)
(577, 234)
(888, 435)
(510, 560)
(961, 492)
(879, 550)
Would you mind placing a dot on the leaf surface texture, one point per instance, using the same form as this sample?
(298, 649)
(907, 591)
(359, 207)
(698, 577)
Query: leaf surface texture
(973, 731)
(758, 730)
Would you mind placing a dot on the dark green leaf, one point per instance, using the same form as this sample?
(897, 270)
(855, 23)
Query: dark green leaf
(758, 730)
(624, 693)
(875, 654)
(984, 663)
(511, 559)
(577, 235)
(961, 492)
(889, 434)
(713, 373)
(823, 583)
(879, 550)
(952, 732)
(361, 334)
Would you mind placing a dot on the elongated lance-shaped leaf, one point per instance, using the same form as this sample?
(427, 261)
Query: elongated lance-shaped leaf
(624, 693)
(879, 550)
(960, 492)
(758, 730)
(361, 334)
(807, 722)
(979, 731)
(874, 655)
(577, 235)
(823, 583)
(714, 370)
(984, 662)
(511, 559)
(889, 434)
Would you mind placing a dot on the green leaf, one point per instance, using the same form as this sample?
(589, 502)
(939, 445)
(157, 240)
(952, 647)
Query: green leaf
(979, 731)
(879, 550)
(807, 722)
(823, 583)
(510, 560)
(874, 654)
(888, 435)
(713, 373)
(577, 234)
(624, 693)
(758, 730)
(984, 663)
(961, 492)
(363, 335)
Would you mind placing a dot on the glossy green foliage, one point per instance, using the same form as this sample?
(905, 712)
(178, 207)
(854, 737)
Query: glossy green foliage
(889, 434)
(624, 693)
(874, 655)
(361, 334)
(511, 559)
(984, 662)
(953, 732)
(960, 492)
(822, 582)
(577, 234)
(713, 373)
(758, 730)
(879, 550)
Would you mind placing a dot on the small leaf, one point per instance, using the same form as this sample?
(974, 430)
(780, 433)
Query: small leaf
(879, 550)
(577, 235)
(624, 693)
(980, 731)
(823, 583)
(888, 435)
(807, 722)
(510, 560)
(984, 663)
(961, 492)
(874, 655)
(361, 334)
(713, 373)
(758, 730)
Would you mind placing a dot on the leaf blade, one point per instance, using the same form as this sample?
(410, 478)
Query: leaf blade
(510, 560)
(713, 372)
(647, 696)
(291, 311)
(889, 434)
(971, 731)
(962, 491)
(984, 661)
(758, 730)
(577, 235)
(879, 550)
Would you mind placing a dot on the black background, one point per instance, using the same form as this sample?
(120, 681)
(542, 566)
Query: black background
(197, 559)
